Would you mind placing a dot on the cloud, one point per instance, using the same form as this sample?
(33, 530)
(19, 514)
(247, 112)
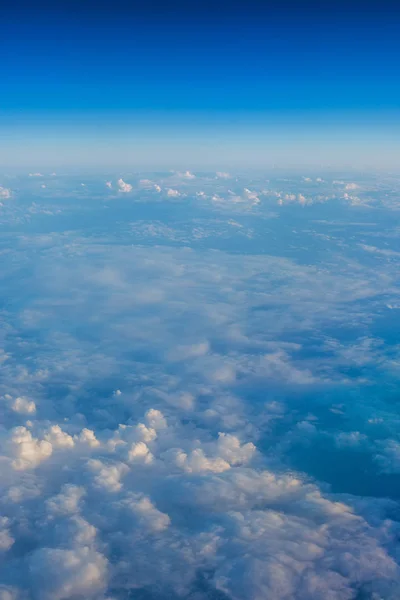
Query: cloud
(28, 452)
(124, 187)
(186, 175)
(77, 572)
(22, 405)
(5, 193)
(196, 399)
(173, 193)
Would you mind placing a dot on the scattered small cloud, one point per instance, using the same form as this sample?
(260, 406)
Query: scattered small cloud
(123, 186)
(172, 193)
(5, 193)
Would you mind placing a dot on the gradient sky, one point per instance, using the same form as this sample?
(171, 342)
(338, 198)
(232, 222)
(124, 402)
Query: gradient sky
(202, 84)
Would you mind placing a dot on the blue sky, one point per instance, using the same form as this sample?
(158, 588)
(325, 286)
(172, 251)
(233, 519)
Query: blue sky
(122, 75)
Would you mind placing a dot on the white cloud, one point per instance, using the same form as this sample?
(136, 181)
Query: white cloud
(63, 574)
(109, 184)
(59, 438)
(149, 517)
(5, 193)
(108, 476)
(173, 193)
(28, 452)
(123, 186)
(67, 501)
(186, 175)
(24, 406)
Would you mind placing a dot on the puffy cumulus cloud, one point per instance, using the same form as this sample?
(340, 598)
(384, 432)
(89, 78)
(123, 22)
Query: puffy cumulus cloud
(148, 516)
(58, 438)
(198, 504)
(24, 406)
(224, 454)
(123, 186)
(109, 184)
(139, 452)
(61, 574)
(107, 476)
(67, 501)
(87, 436)
(28, 452)
(156, 419)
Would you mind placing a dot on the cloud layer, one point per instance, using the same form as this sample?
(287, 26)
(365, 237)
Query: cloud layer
(198, 395)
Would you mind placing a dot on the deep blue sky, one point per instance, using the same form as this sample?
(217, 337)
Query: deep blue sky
(124, 69)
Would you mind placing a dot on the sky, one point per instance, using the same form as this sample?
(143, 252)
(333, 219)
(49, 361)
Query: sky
(163, 84)
(199, 301)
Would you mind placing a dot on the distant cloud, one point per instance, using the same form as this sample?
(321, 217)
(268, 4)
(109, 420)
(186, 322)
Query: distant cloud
(173, 193)
(186, 175)
(35, 175)
(109, 184)
(148, 184)
(5, 193)
(124, 187)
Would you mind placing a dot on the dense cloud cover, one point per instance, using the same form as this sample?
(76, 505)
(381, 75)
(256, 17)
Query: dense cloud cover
(199, 387)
